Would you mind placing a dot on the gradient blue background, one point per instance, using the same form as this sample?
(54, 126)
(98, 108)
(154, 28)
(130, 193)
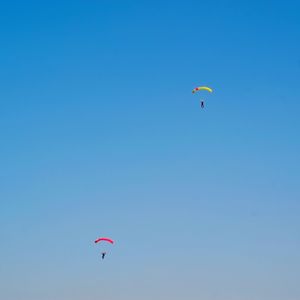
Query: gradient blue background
(100, 135)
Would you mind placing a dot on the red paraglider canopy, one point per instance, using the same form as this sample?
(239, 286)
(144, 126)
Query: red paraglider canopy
(104, 239)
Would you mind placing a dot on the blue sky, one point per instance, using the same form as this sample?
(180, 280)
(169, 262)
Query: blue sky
(101, 135)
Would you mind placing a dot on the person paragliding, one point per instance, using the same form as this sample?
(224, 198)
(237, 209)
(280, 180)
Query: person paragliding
(200, 88)
(104, 240)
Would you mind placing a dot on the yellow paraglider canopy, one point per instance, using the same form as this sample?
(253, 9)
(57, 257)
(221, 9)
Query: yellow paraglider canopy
(205, 88)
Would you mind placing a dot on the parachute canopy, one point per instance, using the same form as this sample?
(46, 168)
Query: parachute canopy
(200, 88)
(104, 239)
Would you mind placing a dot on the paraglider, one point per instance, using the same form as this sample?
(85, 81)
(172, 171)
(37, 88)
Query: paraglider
(202, 88)
(205, 88)
(104, 240)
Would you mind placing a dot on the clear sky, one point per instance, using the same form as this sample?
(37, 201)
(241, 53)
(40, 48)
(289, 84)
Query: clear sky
(101, 136)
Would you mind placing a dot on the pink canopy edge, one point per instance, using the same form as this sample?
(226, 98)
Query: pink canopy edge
(104, 239)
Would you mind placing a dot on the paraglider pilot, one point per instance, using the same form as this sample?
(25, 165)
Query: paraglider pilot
(200, 88)
(103, 254)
